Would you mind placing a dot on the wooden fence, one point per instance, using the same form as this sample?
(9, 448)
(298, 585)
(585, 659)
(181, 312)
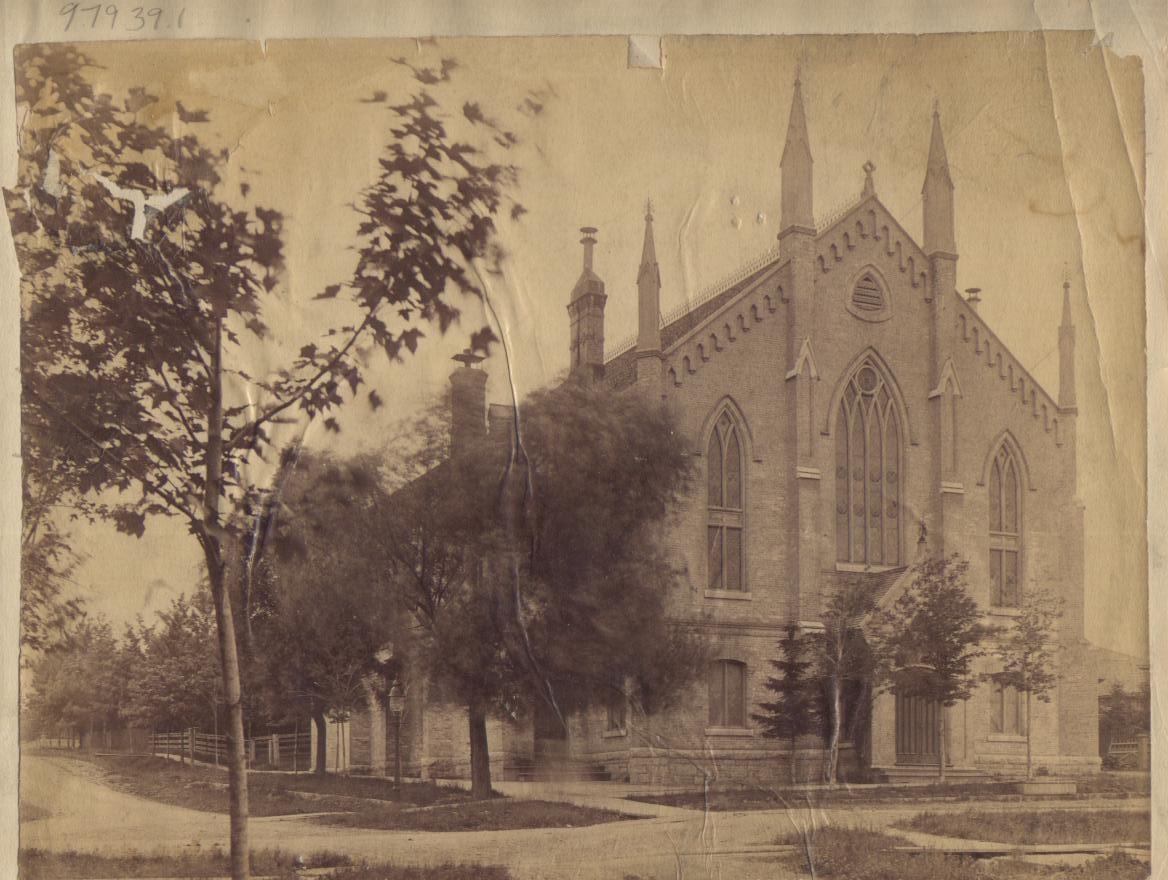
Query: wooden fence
(1131, 754)
(277, 751)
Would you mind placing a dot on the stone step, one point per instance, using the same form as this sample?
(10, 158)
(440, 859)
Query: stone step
(562, 770)
(928, 773)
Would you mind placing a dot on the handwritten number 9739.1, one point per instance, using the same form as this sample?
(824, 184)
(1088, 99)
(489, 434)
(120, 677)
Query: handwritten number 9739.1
(136, 18)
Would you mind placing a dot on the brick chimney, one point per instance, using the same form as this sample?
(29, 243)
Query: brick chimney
(586, 317)
(468, 402)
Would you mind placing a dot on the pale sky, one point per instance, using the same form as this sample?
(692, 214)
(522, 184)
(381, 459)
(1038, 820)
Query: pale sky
(1045, 143)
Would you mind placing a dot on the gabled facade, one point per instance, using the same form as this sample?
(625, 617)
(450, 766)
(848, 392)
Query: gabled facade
(852, 412)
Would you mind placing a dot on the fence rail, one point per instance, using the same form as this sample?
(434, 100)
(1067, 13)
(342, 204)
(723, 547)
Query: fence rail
(277, 751)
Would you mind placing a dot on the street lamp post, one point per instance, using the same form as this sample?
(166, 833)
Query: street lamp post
(397, 708)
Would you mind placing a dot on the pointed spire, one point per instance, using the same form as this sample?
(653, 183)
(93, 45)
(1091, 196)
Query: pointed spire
(648, 249)
(1066, 399)
(797, 139)
(938, 195)
(649, 290)
(938, 159)
(796, 167)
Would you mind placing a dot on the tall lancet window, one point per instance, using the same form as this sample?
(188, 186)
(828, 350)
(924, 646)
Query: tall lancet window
(867, 472)
(724, 501)
(1005, 530)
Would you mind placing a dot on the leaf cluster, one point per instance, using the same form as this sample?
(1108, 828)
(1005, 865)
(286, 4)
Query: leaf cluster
(534, 563)
(320, 612)
(927, 642)
(122, 334)
(1028, 648)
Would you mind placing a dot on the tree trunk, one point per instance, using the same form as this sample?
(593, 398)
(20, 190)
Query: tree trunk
(321, 742)
(1029, 752)
(834, 733)
(224, 618)
(941, 737)
(480, 758)
(236, 743)
(794, 760)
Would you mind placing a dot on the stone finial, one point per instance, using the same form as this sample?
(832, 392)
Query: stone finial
(869, 184)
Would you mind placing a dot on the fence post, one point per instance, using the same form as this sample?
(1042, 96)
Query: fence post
(251, 751)
(191, 745)
(275, 751)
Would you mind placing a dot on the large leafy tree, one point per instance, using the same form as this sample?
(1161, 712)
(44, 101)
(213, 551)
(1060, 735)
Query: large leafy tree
(174, 681)
(928, 641)
(145, 352)
(1028, 650)
(324, 634)
(79, 683)
(533, 560)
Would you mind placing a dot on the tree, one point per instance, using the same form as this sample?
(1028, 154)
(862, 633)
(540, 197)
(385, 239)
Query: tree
(47, 559)
(1123, 715)
(796, 710)
(79, 683)
(47, 563)
(320, 614)
(145, 283)
(534, 564)
(1027, 651)
(929, 639)
(175, 681)
(842, 658)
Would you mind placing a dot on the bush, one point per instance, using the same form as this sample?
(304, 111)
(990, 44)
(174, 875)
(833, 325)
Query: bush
(1117, 866)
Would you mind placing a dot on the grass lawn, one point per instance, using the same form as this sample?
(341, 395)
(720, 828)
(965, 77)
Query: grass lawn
(857, 854)
(40, 865)
(1040, 826)
(718, 799)
(355, 801)
(494, 815)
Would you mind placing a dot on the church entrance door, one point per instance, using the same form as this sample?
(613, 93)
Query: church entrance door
(917, 738)
(551, 738)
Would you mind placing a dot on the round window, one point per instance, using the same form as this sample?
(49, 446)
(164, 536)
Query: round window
(867, 380)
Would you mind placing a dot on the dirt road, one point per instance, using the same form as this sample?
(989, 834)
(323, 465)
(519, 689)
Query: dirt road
(87, 815)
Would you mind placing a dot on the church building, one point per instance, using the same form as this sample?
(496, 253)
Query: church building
(850, 412)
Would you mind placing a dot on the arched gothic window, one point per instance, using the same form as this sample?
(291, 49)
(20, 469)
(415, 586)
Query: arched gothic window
(867, 471)
(1005, 530)
(724, 530)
